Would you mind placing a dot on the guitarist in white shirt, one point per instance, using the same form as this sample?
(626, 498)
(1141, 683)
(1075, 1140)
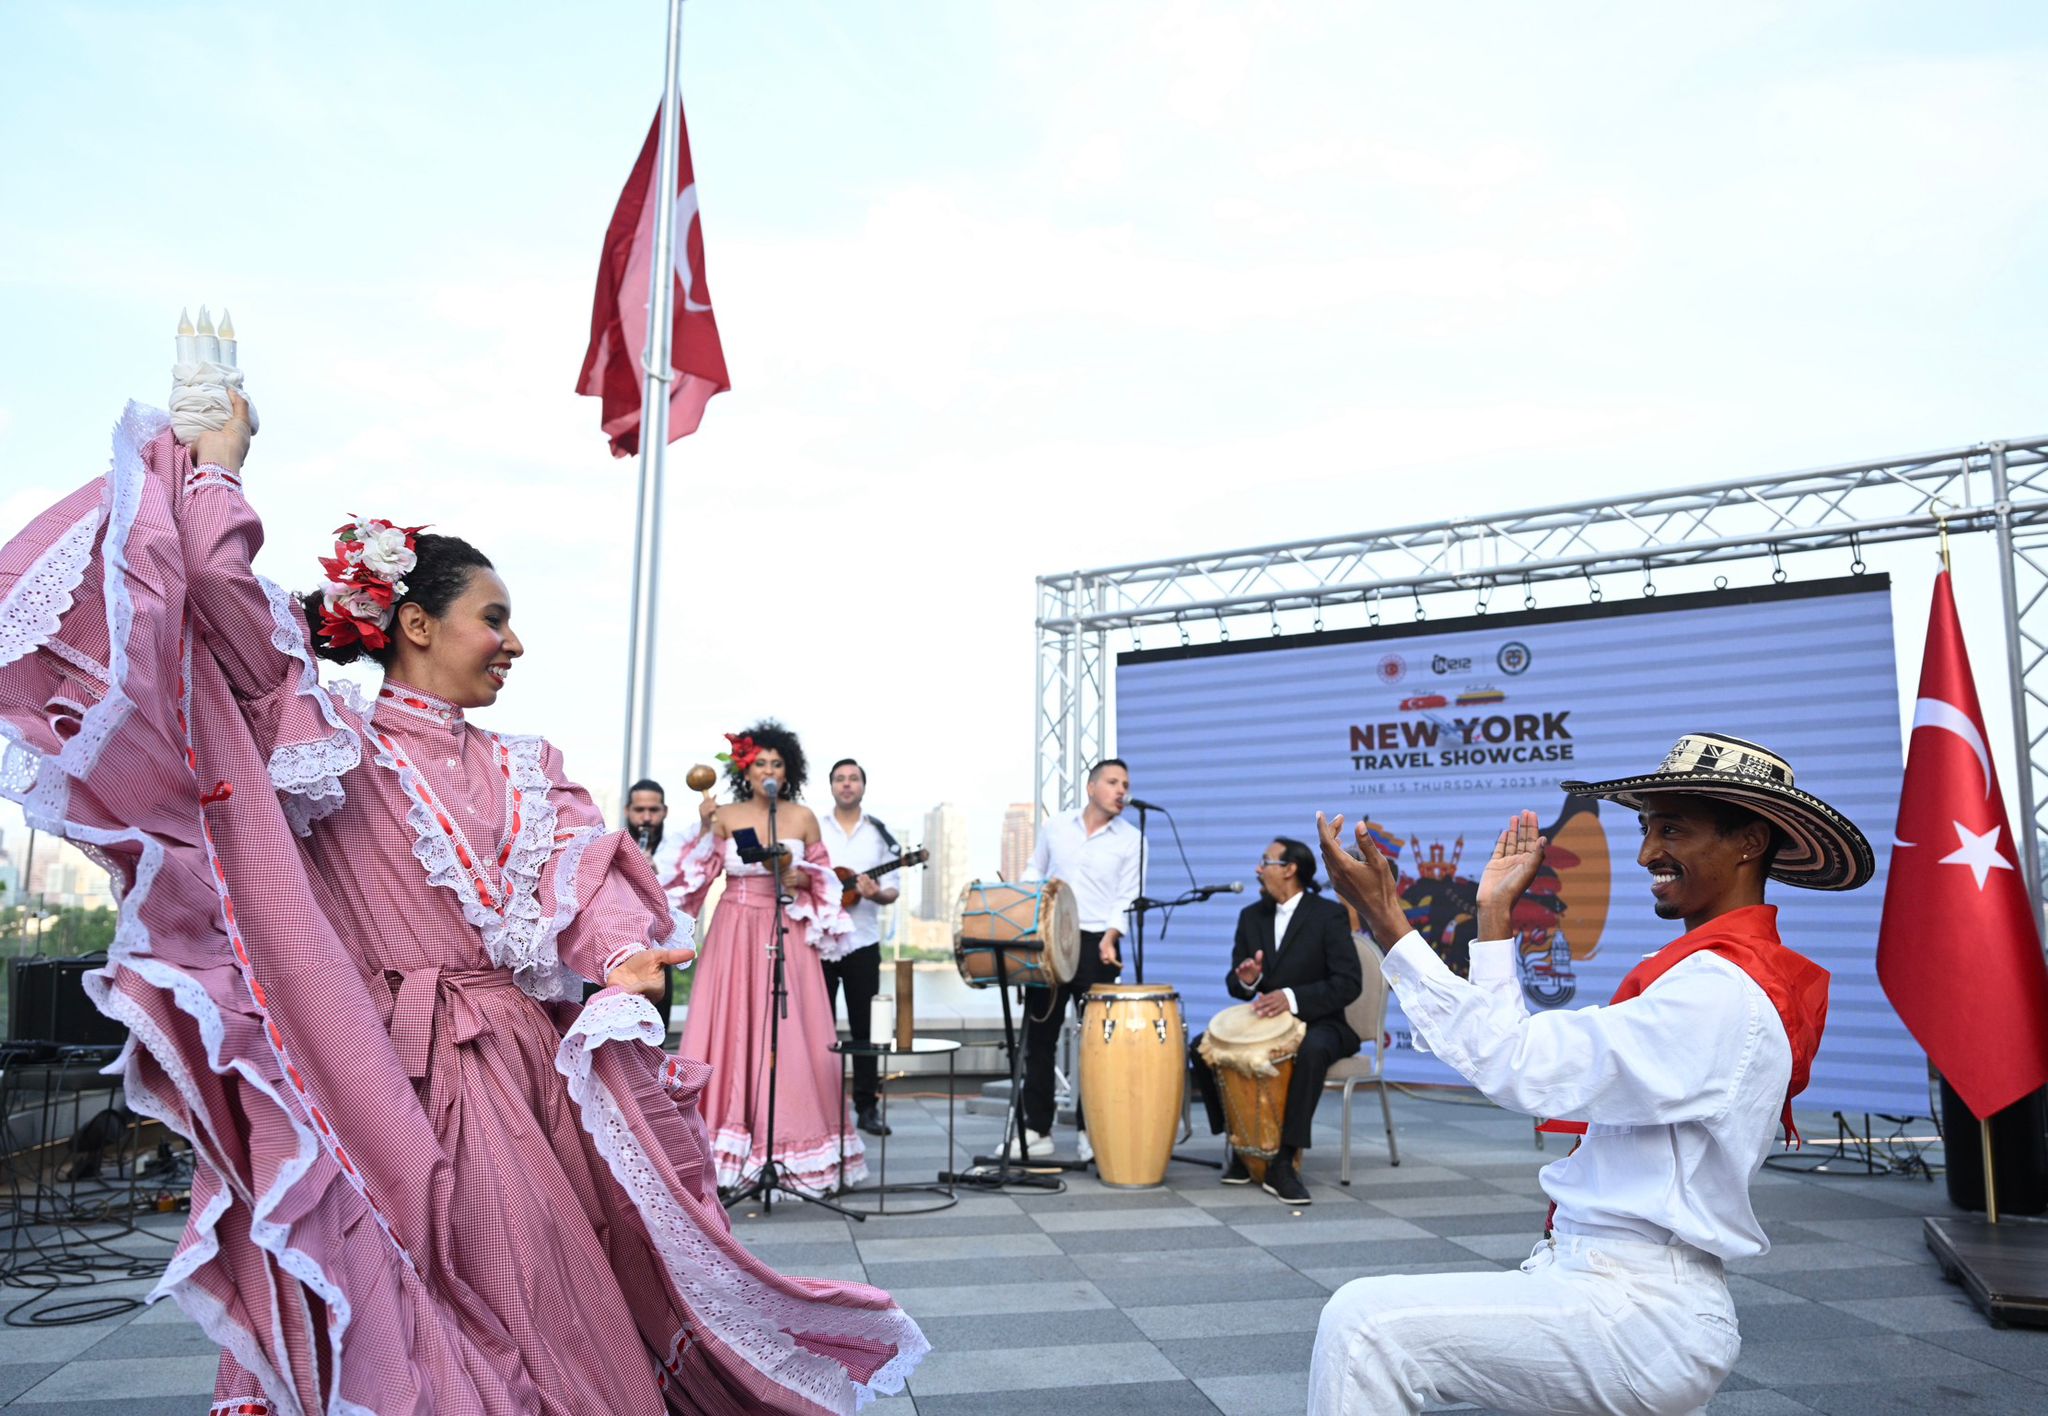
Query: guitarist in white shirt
(858, 842)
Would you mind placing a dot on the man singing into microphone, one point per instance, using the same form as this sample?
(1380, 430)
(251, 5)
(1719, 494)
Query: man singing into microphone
(1094, 853)
(1293, 955)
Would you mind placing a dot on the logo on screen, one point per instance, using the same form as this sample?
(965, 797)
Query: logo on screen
(1392, 668)
(1447, 664)
(1513, 657)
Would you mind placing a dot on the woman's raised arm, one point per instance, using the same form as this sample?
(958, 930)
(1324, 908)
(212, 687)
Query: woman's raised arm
(221, 533)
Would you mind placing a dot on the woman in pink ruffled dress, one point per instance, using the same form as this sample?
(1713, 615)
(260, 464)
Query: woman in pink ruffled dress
(352, 936)
(728, 1021)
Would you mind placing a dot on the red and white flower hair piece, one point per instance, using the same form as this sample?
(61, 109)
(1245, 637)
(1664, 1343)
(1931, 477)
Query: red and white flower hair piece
(365, 580)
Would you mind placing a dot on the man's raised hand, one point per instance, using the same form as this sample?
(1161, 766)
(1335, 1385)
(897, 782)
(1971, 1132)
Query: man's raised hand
(1365, 881)
(1253, 969)
(1517, 856)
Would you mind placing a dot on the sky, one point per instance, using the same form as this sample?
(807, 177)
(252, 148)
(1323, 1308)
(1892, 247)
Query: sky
(1014, 288)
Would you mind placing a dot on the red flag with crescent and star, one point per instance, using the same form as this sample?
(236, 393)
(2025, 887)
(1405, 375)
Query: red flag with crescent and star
(1959, 951)
(612, 365)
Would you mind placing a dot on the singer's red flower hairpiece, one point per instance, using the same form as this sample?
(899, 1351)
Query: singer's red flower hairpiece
(743, 752)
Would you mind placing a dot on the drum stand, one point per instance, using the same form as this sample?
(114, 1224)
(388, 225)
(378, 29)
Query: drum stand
(769, 1180)
(1003, 1169)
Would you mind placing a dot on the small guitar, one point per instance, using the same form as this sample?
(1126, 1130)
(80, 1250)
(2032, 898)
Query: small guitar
(851, 897)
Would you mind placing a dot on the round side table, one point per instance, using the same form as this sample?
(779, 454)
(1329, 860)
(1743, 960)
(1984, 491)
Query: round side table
(938, 1194)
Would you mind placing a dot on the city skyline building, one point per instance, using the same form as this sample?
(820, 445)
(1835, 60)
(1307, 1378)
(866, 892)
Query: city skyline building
(1020, 838)
(946, 872)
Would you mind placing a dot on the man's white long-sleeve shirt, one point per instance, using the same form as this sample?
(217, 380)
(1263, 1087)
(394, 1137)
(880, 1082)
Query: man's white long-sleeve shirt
(862, 848)
(1101, 870)
(1681, 1087)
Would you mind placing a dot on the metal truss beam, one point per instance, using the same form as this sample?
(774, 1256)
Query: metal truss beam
(1999, 487)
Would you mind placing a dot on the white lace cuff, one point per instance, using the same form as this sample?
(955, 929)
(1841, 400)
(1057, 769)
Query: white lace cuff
(308, 774)
(615, 958)
(703, 862)
(819, 907)
(210, 474)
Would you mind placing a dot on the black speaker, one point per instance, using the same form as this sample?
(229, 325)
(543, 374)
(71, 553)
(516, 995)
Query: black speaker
(2019, 1153)
(46, 1002)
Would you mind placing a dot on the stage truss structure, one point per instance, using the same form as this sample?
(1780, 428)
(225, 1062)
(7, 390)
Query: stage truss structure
(1995, 488)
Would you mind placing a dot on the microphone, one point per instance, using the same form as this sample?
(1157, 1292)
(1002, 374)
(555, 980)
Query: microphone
(770, 788)
(1143, 805)
(1203, 892)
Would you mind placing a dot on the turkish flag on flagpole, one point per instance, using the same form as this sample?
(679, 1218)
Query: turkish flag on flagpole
(1959, 951)
(613, 364)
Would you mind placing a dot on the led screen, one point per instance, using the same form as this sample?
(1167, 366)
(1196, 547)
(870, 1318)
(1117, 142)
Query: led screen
(1436, 731)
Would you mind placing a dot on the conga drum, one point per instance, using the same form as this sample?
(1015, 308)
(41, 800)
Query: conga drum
(1134, 1062)
(1035, 920)
(1253, 1059)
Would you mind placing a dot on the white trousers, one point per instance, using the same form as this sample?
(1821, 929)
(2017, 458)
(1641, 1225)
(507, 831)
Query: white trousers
(1585, 1325)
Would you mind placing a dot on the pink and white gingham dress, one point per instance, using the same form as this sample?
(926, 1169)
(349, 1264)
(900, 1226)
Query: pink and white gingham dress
(351, 940)
(727, 1027)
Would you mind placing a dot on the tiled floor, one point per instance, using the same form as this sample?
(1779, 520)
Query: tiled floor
(1202, 1299)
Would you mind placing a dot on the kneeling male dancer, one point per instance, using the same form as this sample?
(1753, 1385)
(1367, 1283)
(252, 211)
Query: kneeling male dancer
(1679, 1087)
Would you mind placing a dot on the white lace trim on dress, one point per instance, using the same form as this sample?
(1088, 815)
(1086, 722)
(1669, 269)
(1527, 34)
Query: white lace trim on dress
(41, 782)
(522, 939)
(813, 1169)
(749, 1317)
(307, 775)
(36, 604)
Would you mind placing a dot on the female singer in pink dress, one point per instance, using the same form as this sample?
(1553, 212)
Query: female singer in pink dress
(728, 1022)
(352, 936)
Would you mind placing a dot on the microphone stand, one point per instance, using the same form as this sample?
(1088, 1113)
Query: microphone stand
(770, 1179)
(1139, 908)
(1140, 905)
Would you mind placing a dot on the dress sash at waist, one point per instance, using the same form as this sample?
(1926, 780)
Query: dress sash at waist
(754, 889)
(415, 994)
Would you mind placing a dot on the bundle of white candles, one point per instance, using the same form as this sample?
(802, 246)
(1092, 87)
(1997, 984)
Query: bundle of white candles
(205, 372)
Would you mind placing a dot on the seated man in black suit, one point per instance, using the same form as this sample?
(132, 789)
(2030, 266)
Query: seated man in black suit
(1293, 954)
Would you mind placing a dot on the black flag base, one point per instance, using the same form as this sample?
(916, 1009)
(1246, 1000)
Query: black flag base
(2003, 1266)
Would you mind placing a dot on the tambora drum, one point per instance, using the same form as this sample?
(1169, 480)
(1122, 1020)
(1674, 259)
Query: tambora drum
(1035, 913)
(1253, 1059)
(1134, 1065)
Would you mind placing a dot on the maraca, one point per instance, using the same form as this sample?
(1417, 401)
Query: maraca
(703, 778)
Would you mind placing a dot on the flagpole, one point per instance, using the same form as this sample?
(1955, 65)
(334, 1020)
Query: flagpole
(2019, 708)
(1990, 1185)
(655, 389)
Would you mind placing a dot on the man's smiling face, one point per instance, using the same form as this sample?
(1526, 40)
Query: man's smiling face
(1693, 866)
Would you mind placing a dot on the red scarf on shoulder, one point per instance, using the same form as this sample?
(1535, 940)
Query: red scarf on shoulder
(1748, 939)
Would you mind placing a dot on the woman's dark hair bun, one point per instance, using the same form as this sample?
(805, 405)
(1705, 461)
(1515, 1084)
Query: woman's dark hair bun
(445, 566)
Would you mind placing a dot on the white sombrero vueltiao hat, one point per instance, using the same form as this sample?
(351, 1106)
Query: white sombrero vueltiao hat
(1822, 849)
